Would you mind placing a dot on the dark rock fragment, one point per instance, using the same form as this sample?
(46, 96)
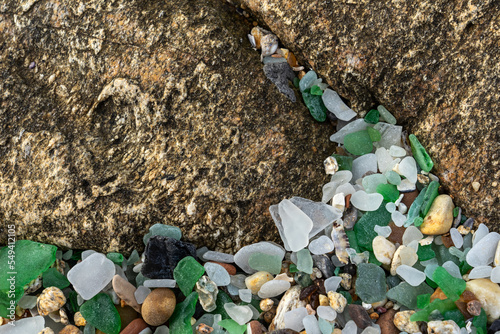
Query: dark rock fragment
(280, 74)
(324, 264)
(359, 315)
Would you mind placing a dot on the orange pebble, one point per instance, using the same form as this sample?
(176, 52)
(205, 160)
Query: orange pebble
(229, 268)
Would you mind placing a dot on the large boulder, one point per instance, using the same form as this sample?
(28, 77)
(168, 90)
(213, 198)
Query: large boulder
(116, 115)
(434, 64)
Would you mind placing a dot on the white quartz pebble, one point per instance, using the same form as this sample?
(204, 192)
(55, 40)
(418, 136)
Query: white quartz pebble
(397, 151)
(362, 165)
(332, 283)
(326, 312)
(217, 273)
(160, 283)
(495, 275)
(31, 325)
(411, 233)
(483, 252)
(334, 104)
(398, 218)
(366, 202)
(480, 272)
(481, 232)
(408, 168)
(91, 275)
(412, 276)
(241, 314)
(245, 295)
(311, 324)
(383, 231)
(141, 293)
(293, 318)
(266, 247)
(322, 245)
(273, 288)
(456, 237)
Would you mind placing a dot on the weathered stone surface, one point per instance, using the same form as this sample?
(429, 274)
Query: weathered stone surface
(433, 64)
(118, 115)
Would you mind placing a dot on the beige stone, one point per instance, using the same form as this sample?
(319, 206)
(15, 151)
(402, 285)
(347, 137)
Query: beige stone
(158, 306)
(440, 216)
(496, 261)
(383, 249)
(125, 290)
(79, 319)
(289, 301)
(488, 293)
(443, 327)
(51, 299)
(70, 329)
(255, 281)
(403, 323)
(337, 301)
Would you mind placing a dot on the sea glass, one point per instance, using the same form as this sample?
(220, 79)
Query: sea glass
(451, 286)
(370, 284)
(315, 105)
(420, 154)
(180, 321)
(372, 116)
(52, 277)
(100, 312)
(187, 272)
(358, 143)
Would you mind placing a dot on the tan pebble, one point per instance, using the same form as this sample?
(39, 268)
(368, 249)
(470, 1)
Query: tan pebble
(443, 327)
(346, 282)
(34, 285)
(496, 261)
(51, 299)
(337, 301)
(316, 274)
(426, 241)
(79, 319)
(289, 301)
(476, 185)
(301, 74)
(396, 260)
(379, 304)
(256, 327)
(284, 277)
(193, 321)
(374, 315)
(383, 249)
(337, 331)
(310, 310)
(64, 317)
(258, 33)
(323, 300)
(158, 306)
(46, 330)
(440, 216)
(255, 281)
(488, 293)
(463, 230)
(266, 304)
(70, 329)
(389, 304)
(403, 323)
(269, 44)
(269, 315)
(125, 290)
(204, 329)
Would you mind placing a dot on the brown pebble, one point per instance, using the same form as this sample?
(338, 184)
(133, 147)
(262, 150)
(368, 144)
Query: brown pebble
(408, 198)
(474, 307)
(256, 327)
(386, 322)
(438, 294)
(359, 315)
(348, 201)
(51, 299)
(125, 290)
(127, 314)
(396, 235)
(269, 315)
(70, 329)
(158, 306)
(204, 329)
(266, 304)
(374, 315)
(447, 241)
(301, 74)
(229, 268)
(135, 327)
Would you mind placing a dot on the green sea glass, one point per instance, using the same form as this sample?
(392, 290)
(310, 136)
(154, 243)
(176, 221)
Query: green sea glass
(304, 261)
(187, 272)
(52, 277)
(180, 321)
(386, 115)
(372, 116)
(418, 221)
(24, 261)
(358, 143)
(374, 134)
(315, 105)
(456, 316)
(265, 262)
(101, 313)
(442, 305)
(423, 300)
(430, 194)
(415, 207)
(292, 268)
(325, 326)
(315, 90)
(407, 295)
(456, 210)
(117, 258)
(370, 284)
(232, 326)
(296, 82)
(303, 279)
(163, 230)
(222, 298)
(443, 254)
(420, 154)
(364, 228)
(389, 191)
(451, 286)
(480, 322)
(425, 253)
(393, 177)
(345, 162)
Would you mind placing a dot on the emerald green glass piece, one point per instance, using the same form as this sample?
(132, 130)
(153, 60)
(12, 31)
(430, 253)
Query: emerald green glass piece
(232, 326)
(480, 322)
(393, 177)
(315, 105)
(431, 283)
(265, 262)
(372, 116)
(315, 90)
(353, 241)
(303, 279)
(425, 253)
(72, 301)
(442, 305)
(27, 259)
(296, 82)
(163, 230)
(180, 321)
(187, 272)
(101, 313)
(374, 134)
(418, 221)
(304, 261)
(77, 255)
(455, 211)
(451, 286)
(222, 298)
(456, 316)
(336, 271)
(134, 257)
(389, 191)
(420, 154)
(464, 267)
(430, 194)
(385, 115)
(414, 210)
(345, 162)
(407, 295)
(52, 277)
(117, 258)
(370, 284)
(423, 300)
(358, 143)
(347, 296)
(292, 268)
(364, 228)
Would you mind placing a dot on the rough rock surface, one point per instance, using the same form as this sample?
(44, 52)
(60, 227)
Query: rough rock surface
(115, 115)
(434, 64)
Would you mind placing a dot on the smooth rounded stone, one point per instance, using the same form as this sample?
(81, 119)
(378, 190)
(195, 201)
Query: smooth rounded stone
(307, 80)
(91, 275)
(160, 283)
(412, 276)
(217, 273)
(50, 300)
(408, 168)
(240, 314)
(135, 326)
(366, 202)
(23, 326)
(412, 233)
(396, 260)
(408, 256)
(359, 315)
(452, 269)
(126, 291)
(383, 231)
(488, 293)
(296, 226)
(324, 264)
(322, 245)
(495, 275)
(293, 318)
(397, 151)
(440, 216)
(443, 327)
(480, 272)
(496, 258)
(245, 295)
(332, 283)
(273, 288)
(218, 257)
(456, 237)
(403, 323)
(350, 328)
(385, 321)
(311, 324)
(362, 165)
(334, 104)
(141, 293)
(354, 126)
(243, 255)
(383, 249)
(326, 312)
(255, 281)
(370, 182)
(481, 231)
(158, 306)
(483, 253)
(398, 218)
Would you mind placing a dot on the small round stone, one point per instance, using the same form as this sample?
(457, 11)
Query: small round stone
(51, 299)
(46, 330)
(266, 304)
(443, 327)
(158, 306)
(255, 281)
(440, 216)
(383, 249)
(403, 323)
(70, 329)
(79, 319)
(337, 301)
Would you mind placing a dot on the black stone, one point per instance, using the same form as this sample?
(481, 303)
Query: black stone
(494, 327)
(349, 269)
(280, 74)
(359, 315)
(324, 264)
(162, 255)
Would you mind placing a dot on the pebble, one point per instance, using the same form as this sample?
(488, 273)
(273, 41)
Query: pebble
(488, 293)
(337, 301)
(403, 323)
(79, 319)
(383, 249)
(289, 301)
(207, 293)
(51, 299)
(273, 288)
(126, 291)
(346, 281)
(135, 327)
(443, 327)
(46, 330)
(158, 306)
(70, 329)
(255, 327)
(255, 281)
(359, 315)
(439, 219)
(496, 259)
(266, 304)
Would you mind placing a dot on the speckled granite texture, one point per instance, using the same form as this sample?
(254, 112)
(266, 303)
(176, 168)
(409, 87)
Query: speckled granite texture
(434, 64)
(141, 112)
